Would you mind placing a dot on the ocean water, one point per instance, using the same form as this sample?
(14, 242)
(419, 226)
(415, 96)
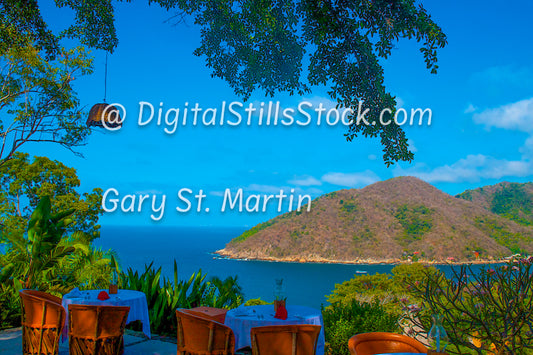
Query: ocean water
(193, 247)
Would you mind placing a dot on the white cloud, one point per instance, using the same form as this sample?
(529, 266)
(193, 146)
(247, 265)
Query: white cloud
(267, 189)
(351, 179)
(412, 146)
(470, 108)
(254, 188)
(270, 190)
(399, 102)
(305, 181)
(472, 169)
(515, 116)
(372, 157)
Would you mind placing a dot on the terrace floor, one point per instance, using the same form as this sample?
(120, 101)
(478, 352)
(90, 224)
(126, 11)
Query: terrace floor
(134, 344)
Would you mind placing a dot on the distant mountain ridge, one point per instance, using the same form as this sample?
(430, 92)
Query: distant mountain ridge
(396, 219)
(511, 200)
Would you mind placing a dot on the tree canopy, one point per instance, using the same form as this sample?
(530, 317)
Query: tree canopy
(291, 46)
(38, 102)
(25, 182)
(22, 24)
(274, 46)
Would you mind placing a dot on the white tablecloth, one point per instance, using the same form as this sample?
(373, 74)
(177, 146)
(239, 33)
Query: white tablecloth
(136, 300)
(242, 319)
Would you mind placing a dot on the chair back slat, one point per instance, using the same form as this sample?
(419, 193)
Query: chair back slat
(96, 329)
(298, 339)
(382, 342)
(201, 336)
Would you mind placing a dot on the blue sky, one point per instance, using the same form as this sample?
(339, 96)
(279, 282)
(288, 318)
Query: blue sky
(481, 131)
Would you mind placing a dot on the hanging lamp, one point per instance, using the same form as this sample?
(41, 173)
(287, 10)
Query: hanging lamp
(103, 114)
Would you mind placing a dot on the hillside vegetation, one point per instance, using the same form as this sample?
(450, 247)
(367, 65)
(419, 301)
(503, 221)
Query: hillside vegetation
(513, 201)
(397, 219)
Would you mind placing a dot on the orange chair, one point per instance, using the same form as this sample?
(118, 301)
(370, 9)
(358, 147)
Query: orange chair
(376, 343)
(96, 330)
(43, 318)
(200, 336)
(285, 339)
(216, 314)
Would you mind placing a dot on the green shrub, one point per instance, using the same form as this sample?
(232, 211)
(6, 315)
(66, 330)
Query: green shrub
(164, 296)
(9, 307)
(256, 302)
(388, 289)
(342, 320)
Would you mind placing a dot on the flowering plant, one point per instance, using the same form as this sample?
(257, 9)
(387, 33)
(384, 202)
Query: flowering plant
(486, 311)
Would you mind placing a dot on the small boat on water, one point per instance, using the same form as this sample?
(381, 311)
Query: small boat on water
(360, 272)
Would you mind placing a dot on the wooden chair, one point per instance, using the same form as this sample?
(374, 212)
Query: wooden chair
(376, 343)
(96, 330)
(43, 318)
(201, 336)
(285, 339)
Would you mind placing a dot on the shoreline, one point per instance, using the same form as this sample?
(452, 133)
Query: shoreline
(225, 254)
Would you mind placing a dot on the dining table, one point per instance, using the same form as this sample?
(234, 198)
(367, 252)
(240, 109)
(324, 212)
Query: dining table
(242, 319)
(136, 300)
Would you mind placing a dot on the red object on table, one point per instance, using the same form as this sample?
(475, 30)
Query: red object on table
(281, 312)
(102, 296)
(216, 314)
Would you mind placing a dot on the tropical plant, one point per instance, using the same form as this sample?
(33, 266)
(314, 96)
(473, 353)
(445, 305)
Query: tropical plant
(30, 260)
(9, 307)
(487, 311)
(342, 320)
(165, 296)
(223, 293)
(46, 259)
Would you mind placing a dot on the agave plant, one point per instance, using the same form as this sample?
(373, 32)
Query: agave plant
(164, 295)
(223, 293)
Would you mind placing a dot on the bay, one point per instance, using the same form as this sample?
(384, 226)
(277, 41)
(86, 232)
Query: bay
(307, 284)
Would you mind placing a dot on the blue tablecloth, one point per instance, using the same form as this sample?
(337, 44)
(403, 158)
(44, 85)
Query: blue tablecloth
(136, 300)
(242, 319)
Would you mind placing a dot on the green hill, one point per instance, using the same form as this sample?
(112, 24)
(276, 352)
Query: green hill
(510, 200)
(394, 219)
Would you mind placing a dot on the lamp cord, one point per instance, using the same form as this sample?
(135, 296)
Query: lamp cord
(105, 78)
